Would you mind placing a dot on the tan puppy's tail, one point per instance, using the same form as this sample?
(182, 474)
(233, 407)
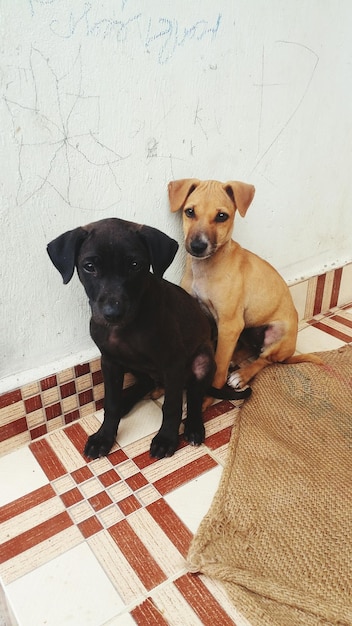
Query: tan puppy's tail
(303, 358)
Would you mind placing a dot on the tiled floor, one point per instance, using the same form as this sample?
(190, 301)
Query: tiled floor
(104, 542)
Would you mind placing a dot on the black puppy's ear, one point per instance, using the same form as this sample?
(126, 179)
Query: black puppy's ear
(162, 248)
(63, 251)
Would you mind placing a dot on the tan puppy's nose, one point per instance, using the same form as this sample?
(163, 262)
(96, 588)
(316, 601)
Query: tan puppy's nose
(199, 246)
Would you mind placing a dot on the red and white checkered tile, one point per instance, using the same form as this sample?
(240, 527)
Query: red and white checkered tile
(104, 542)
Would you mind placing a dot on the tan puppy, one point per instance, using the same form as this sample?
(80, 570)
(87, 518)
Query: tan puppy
(240, 289)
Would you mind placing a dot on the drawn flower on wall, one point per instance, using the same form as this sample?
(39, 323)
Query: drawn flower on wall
(56, 127)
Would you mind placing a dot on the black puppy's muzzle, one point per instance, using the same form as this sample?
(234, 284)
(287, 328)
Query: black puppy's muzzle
(113, 312)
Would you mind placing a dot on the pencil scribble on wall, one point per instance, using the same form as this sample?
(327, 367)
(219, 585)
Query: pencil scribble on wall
(56, 133)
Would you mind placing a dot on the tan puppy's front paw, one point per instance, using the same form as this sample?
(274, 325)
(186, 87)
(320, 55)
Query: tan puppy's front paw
(230, 393)
(235, 381)
(207, 402)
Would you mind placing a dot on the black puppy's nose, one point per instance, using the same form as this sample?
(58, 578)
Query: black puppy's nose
(198, 246)
(112, 311)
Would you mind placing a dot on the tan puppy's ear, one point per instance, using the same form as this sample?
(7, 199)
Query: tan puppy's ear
(241, 195)
(179, 190)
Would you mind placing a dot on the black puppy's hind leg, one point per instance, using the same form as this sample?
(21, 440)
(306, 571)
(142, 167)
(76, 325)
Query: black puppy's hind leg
(102, 441)
(203, 370)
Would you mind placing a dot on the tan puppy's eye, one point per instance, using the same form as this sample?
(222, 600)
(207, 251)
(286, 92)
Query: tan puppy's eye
(190, 213)
(221, 217)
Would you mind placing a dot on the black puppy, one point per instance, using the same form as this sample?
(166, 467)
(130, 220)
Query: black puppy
(142, 324)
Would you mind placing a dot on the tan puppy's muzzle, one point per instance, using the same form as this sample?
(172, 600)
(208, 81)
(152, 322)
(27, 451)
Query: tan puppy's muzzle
(200, 245)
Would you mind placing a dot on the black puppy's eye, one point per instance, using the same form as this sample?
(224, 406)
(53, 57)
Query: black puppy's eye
(190, 212)
(135, 266)
(221, 217)
(89, 267)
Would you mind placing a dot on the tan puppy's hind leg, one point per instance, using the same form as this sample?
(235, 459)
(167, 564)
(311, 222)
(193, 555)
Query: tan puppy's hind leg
(304, 358)
(279, 344)
(244, 375)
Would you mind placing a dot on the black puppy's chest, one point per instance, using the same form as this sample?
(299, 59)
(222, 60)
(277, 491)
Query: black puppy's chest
(132, 347)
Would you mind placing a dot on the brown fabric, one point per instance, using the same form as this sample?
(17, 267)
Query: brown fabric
(279, 531)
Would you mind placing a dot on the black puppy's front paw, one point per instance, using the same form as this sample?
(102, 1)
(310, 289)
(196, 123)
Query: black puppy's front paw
(162, 447)
(98, 445)
(195, 435)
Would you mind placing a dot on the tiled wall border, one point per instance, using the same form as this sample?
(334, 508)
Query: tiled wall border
(44, 405)
(37, 408)
(320, 294)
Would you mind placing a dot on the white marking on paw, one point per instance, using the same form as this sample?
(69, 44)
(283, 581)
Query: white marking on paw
(234, 380)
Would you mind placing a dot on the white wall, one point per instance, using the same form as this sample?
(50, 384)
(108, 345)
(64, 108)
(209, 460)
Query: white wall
(104, 102)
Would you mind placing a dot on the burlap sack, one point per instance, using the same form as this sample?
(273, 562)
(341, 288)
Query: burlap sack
(279, 531)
